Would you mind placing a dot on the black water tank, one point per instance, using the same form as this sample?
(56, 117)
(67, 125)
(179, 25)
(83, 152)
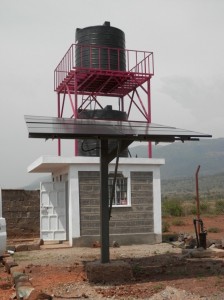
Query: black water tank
(91, 147)
(102, 58)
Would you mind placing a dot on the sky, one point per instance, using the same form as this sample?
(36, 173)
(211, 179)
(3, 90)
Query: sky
(186, 37)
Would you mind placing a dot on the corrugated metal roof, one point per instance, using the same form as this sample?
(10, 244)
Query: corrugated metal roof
(65, 128)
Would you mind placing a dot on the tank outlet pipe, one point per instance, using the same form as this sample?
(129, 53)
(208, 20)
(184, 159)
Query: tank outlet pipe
(115, 179)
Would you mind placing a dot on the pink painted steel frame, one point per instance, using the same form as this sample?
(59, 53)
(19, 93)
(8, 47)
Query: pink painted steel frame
(92, 82)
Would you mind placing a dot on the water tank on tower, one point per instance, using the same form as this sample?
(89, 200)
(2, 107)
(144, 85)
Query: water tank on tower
(108, 53)
(100, 47)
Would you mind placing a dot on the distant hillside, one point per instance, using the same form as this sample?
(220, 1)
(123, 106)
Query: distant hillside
(210, 187)
(35, 185)
(181, 162)
(182, 159)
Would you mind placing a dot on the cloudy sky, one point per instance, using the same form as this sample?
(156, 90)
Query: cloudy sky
(186, 37)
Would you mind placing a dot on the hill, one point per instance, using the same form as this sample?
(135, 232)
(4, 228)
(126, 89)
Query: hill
(182, 159)
(210, 187)
(35, 185)
(181, 162)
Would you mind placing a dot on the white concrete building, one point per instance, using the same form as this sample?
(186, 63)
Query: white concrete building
(70, 203)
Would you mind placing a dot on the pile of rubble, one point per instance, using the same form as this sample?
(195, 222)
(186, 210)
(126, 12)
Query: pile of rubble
(189, 244)
(24, 245)
(21, 281)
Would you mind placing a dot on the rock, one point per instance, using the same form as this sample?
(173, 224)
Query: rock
(181, 237)
(212, 246)
(115, 244)
(8, 260)
(84, 295)
(218, 252)
(190, 242)
(41, 242)
(21, 247)
(23, 292)
(17, 269)
(25, 283)
(203, 253)
(32, 247)
(9, 263)
(173, 293)
(69, 268)
(96, 244)
(22, 278)
(10, 248)
(13, 296)
(36, 295)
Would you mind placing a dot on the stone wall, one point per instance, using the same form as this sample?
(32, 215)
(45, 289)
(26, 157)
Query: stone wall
(139, 217)
(89, 197)
(21, 209)
(136, 219)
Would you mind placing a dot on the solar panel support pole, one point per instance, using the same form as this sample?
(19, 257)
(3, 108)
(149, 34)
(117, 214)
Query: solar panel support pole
(104, 202)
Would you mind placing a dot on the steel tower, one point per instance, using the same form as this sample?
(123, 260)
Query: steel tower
(86, 85)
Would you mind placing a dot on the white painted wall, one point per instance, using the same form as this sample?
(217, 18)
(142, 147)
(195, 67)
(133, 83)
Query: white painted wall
(157, 210)
(73, 200)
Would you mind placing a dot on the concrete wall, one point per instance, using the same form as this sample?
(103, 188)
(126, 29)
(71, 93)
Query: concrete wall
(21, 209)
(89, 199)
(131, 224)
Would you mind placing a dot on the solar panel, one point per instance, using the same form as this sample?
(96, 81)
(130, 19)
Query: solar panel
(124, 131)
(65, 128)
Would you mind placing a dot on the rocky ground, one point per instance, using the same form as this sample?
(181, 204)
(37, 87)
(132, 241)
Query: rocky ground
(160, 271)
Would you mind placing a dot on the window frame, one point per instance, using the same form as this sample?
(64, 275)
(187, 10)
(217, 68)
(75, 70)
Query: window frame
(123, 176)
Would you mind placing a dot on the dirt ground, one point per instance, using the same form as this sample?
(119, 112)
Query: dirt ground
(160, 271)
(211, 223)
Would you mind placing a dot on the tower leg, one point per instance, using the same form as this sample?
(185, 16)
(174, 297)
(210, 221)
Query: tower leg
(59, 115)
(149, 116)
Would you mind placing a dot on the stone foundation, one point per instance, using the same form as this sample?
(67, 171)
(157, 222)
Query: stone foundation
(116, 271)
(121, 239)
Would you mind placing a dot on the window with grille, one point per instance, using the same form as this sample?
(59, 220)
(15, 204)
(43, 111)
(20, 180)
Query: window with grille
(120, 193)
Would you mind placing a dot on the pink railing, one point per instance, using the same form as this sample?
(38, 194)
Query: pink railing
(103, 58)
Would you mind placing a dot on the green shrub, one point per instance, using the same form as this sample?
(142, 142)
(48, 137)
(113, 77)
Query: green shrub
(219, 206)
(165, 226)
(193, 210)
(204, 207)
(172, 208)
(213, 229)
(178, 222)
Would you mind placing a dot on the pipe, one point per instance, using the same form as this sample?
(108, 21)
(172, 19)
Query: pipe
(115, 179)
(197, 197)
(196, 232)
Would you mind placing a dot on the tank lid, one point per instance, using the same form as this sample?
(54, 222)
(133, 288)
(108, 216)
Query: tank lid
(106, 23)
(108, 107)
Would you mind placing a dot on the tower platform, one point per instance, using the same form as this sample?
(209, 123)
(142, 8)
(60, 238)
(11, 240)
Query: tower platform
(99, 81)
